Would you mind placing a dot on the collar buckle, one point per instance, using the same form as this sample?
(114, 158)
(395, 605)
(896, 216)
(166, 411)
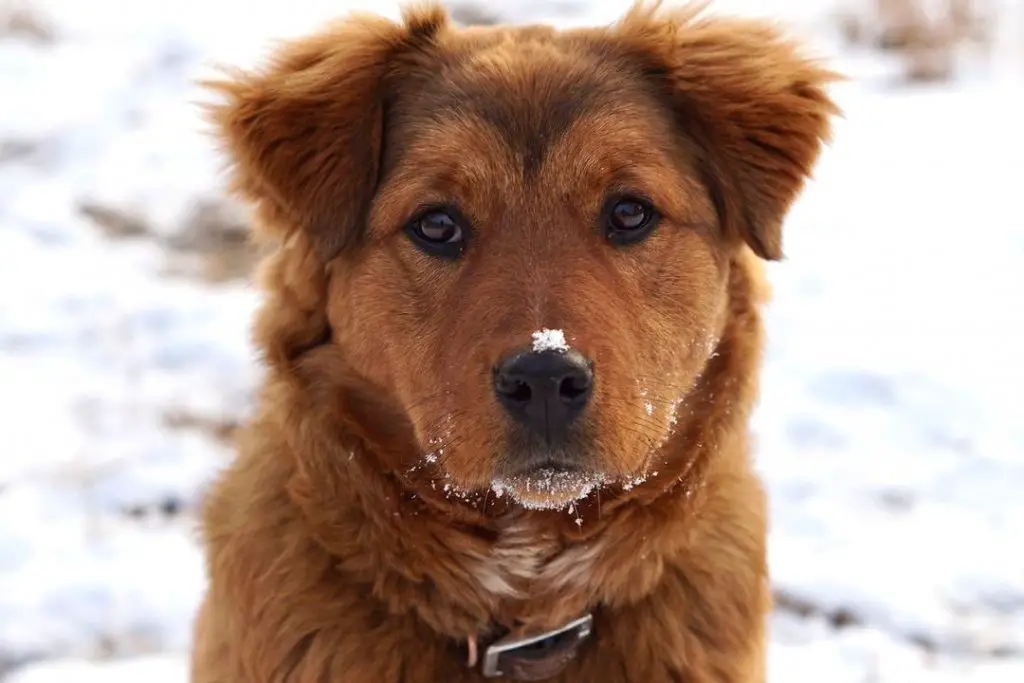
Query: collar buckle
(537, 657)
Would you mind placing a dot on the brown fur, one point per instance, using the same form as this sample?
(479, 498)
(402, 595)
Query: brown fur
(336, 551)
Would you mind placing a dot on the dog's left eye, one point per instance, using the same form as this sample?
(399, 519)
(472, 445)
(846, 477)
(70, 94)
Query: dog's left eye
(628, 220)
(438, 232)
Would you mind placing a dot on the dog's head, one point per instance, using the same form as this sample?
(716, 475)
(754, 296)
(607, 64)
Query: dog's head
(523, 237)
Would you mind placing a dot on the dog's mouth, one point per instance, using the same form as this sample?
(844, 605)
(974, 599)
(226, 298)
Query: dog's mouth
(551, 485)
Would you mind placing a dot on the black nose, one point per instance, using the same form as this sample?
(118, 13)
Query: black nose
(544, 390)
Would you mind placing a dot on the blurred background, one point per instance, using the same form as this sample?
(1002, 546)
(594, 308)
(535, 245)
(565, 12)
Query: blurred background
(890, 432)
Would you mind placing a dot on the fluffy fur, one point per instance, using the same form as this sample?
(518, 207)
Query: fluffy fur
(358, 536)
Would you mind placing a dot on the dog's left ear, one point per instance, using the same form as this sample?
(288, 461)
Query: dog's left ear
(304, 134)
(756, 108)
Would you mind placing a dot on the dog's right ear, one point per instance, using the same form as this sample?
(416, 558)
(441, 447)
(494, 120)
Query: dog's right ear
(304, 134)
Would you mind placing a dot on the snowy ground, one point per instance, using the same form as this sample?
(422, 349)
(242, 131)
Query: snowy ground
(889, 433)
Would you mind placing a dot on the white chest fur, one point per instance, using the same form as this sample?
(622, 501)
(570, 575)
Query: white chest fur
(522, 557)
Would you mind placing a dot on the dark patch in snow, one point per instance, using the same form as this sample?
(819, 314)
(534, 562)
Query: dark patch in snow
(855, 388)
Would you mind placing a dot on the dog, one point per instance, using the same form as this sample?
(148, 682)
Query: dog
(512, 336)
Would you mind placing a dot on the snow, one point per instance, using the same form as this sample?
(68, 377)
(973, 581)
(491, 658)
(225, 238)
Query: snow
(153, 669)
(549, 489)
(889, 433)
(889, 427)
(549, 340)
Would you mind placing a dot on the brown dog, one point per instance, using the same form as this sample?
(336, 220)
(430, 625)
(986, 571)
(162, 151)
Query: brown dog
(513, 340)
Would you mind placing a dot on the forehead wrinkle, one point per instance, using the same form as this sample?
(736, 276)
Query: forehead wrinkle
(450, 135)
(528, 90)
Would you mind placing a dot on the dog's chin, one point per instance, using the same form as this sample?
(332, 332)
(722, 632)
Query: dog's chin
(549, 487)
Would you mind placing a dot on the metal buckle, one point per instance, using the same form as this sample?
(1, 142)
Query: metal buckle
(492, 655)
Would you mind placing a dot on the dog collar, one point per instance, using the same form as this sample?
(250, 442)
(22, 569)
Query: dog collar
(534, 658)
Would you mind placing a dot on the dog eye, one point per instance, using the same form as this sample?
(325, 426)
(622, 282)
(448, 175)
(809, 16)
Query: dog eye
(628, 220)
(438, 233)
(438, 227)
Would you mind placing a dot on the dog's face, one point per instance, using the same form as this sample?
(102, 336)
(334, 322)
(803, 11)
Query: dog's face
(528, 233)
(543, 275)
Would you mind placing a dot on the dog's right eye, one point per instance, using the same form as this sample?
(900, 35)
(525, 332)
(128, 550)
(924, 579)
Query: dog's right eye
(628, 220)
(438, 232)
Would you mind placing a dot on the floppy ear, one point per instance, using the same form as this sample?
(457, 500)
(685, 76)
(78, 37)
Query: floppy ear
(758, 110)
(304, 134)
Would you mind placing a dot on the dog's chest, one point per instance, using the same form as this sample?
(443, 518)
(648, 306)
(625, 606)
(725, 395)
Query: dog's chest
(523, 558)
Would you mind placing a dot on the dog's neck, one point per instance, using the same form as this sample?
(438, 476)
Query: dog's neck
(497, 562)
